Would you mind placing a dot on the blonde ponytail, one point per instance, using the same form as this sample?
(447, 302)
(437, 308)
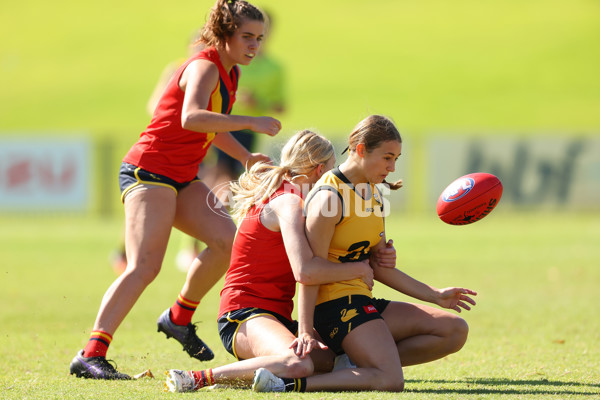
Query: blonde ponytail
(300, 155)
(255, 186)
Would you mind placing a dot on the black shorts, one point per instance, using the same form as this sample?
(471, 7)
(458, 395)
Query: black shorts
(131, 177)
(334, 319)
(231, 321)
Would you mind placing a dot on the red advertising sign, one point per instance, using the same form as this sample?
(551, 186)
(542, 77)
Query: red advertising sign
(49, 174)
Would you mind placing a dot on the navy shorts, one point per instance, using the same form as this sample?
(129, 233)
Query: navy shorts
(335, 319)
(131, 177)
(231, 321)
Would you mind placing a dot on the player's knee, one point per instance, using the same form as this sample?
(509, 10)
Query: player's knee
(143, 273)
(299, 367)
(390, 382)
(222, 242)
(459, 334)
(397, 386)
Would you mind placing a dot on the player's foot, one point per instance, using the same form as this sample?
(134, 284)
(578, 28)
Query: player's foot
(180, 381)
(186, 335)
(94, 368)
(265, 381)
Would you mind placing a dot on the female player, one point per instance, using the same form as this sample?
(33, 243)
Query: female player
(160, 189)
(345, 223)
(270, 254)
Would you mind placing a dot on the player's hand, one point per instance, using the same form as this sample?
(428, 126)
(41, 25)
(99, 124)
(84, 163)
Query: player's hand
(268, 125)
(385, 256)
(254, 158)
(367, 274)
(304, 344)
(456, 298)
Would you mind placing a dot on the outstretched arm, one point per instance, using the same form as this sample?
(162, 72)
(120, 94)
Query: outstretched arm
(452, 297)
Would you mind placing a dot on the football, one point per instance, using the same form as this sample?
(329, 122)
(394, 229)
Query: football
(469, 198)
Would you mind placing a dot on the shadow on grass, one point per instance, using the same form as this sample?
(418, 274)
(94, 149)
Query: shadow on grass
(504, 386)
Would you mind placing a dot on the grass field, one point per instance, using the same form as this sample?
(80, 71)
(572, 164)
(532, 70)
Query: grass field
(533, 335)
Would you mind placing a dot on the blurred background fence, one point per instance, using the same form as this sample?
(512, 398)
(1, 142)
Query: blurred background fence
(75, 173)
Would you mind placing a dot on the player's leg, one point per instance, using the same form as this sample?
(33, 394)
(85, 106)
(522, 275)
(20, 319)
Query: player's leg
(378, 368)
(148, 217)
(223, 172)
(350, 324)
(423, 333)
(267, 337)
(149, 214)
(260, 341)
(200, 215)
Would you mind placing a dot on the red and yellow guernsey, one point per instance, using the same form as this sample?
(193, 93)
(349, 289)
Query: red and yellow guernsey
(166, 148)
(260, 274)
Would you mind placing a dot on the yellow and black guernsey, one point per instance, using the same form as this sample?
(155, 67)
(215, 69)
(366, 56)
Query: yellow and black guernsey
(360, 227)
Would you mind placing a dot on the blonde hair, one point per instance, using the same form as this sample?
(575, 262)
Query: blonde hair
(300, 155)
(372, 132)
(225, 18)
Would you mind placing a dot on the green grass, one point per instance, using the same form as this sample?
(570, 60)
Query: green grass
(533, 334)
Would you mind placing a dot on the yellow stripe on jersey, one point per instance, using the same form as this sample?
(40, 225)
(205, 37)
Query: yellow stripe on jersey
(216, 102)
(360, 228)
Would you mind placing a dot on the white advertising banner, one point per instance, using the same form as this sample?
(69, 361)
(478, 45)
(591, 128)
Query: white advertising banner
(44, 174)
(547, 172)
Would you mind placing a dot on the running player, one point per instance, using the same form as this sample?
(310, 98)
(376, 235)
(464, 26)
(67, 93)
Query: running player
(160, 189)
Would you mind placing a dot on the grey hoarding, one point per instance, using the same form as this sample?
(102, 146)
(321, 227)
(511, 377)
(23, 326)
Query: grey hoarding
(545, 172)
